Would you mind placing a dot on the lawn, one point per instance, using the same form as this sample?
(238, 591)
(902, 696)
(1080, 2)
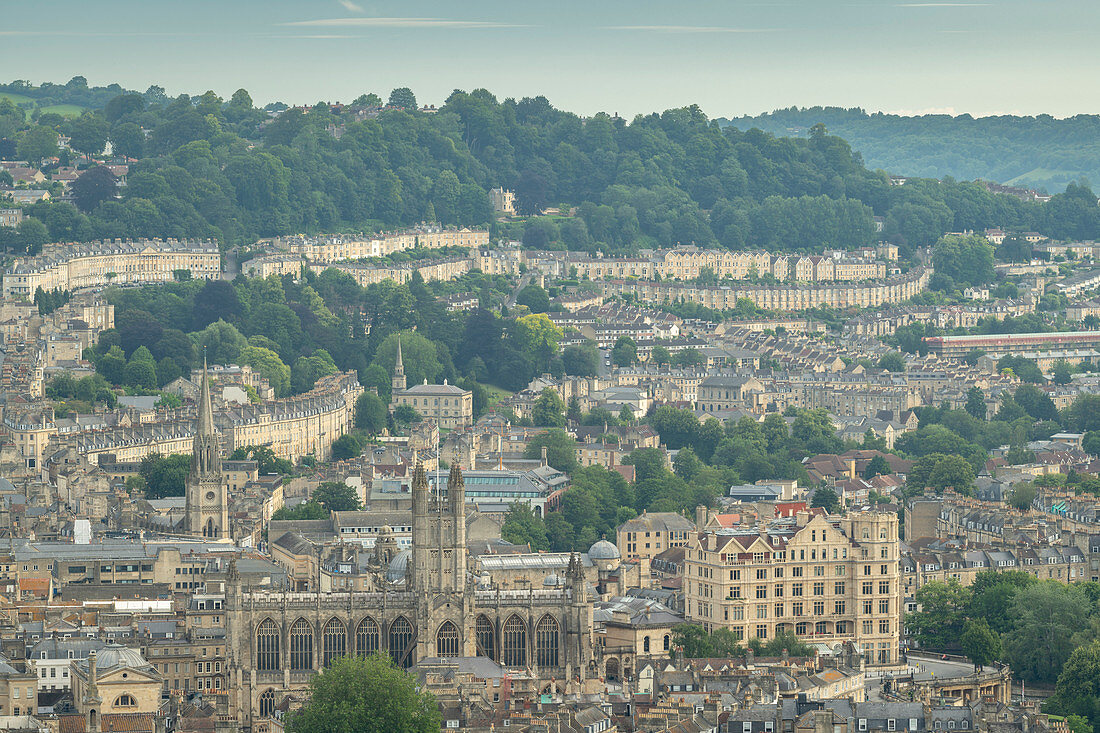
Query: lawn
(16, 98)
(496, 394)
(65, 110)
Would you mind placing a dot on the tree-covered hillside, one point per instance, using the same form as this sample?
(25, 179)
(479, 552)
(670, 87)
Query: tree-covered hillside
(208, 167)
(1038, 152)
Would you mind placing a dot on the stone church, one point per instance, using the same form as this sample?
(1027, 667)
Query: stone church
(427, 606)
(206, 499)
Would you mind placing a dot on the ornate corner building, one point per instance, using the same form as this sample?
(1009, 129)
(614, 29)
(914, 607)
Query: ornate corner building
(428, 606)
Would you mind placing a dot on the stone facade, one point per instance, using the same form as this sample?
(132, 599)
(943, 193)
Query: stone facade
(99, 264)
(430, 607)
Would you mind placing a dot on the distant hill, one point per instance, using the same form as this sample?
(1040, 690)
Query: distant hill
(1037, 152)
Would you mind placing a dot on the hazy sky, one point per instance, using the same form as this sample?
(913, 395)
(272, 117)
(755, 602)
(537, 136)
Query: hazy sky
(732, 57)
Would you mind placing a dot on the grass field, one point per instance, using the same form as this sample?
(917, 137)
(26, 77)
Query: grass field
(65, 110)
(16, 98)
(496, 394)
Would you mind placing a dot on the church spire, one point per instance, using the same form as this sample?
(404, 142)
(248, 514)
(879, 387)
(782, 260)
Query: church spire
(205, 425)
(399, 382)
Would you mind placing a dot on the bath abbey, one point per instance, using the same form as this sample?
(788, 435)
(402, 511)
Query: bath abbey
(427, 606)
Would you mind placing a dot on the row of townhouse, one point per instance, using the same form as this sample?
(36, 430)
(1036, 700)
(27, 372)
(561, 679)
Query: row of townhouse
(339, 248)
(99, 264)
(690, 262)
(305, 424)
(894, 289)
(920, 565)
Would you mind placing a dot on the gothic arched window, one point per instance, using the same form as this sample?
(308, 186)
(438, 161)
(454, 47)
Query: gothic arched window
(485, 636)
(267, 646)
(301, 646)
(446, 640)
(267, 703)
(515, 643)
(401, 642)
(367, 639)
(335, 636)
(547, 634)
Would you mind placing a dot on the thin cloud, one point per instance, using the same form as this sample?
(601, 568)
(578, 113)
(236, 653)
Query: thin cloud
(399, 23)
(688, 29)
(944, 5)
(350, 6)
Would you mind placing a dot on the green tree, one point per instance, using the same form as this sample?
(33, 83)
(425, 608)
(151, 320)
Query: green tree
(37, 144)
(581, 360)
(624, 352)
(1077, 692)
(370, 413)
(975, 403)
(535, 298)
(560, 449)
(405, 414)
(966, 259)
(88, 134)
(308, 369)
(222, 343)
(307, 510)
(93, 187)
(419, 356)
(892, 362)
(366, 695)
(537, 337)
(523, 527)
(877, 466)
(267, 364)
(403, 98)
(939, 622)
(659, 355)
(141, 374)
(1023, 494)
(548, 410)
(346, 446)
(993, 593)
(827, 499)
(164, 475)
(626, 414)
(980, 644)
(336, 496)
(1047, 615)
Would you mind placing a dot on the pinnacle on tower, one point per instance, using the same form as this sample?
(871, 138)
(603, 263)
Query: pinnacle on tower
(420, 477)
(206, 411)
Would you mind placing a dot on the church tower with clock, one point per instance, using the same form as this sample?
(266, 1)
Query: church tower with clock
(206, 499)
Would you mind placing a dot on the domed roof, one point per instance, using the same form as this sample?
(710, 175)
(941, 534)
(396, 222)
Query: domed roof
(603, 550)
(396, 571)
(116, 655)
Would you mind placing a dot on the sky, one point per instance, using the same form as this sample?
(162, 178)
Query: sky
(731, 57)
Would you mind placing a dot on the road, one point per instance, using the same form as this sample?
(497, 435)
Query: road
(523, 282)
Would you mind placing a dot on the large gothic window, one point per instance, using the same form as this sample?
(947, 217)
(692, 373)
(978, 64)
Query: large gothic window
(367, 639)
(514, 647)
(267, 703)
(401, 642)
(301, 646)
(485, 636)
(335, 639)
(267, 646)
(546, 642)
(446, 640)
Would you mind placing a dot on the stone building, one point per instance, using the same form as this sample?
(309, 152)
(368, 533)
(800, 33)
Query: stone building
(430, 607)
(450, 407)
(824, 579)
